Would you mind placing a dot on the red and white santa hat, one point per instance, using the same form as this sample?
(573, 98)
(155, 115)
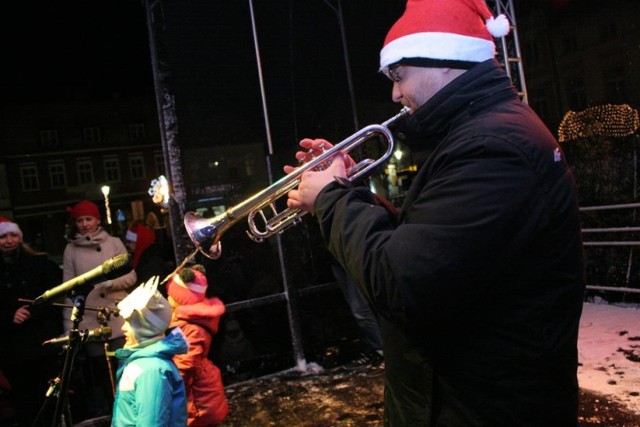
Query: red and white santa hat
(8, 226)
(443, 33)
(143, 236)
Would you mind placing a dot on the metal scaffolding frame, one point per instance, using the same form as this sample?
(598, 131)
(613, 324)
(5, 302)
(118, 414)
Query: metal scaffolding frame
(509, 52)
(624, 242)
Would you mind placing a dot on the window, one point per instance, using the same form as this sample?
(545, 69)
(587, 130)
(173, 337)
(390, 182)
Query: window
(569, 44)
(91, 134)
(158, 160)
(136, 131)
(85, 172)
(136, 166)
(576, 93)
(111, 169)
(608, 31)
(540, 103)
(29, 177)
(615, 83)
(250, 166)
(57, 174)
(48, 138)
(534, 51)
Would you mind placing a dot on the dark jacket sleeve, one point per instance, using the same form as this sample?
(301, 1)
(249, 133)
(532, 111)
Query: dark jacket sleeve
(50, 275)
(456, 233)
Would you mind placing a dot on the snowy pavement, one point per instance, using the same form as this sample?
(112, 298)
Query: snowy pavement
(609, 352)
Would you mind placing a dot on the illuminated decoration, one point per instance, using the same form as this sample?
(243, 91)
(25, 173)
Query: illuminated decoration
(159, 191)
(105, 191)
(602, 120)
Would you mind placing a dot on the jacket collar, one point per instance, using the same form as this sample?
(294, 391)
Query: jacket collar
(97, 237)
(174, 343)
(482, 86)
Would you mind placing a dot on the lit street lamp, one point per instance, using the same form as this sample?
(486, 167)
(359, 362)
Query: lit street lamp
(159, 191)
(105, 190)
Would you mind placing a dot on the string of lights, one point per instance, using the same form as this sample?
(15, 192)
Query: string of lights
(614, 120)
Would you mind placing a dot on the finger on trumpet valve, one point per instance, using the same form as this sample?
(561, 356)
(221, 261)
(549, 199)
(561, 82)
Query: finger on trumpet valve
(306, 157)
(317, 151)
(311, 154)
(325, 164)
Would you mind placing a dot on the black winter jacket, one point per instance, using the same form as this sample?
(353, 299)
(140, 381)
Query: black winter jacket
(480, 279)
(25, 275)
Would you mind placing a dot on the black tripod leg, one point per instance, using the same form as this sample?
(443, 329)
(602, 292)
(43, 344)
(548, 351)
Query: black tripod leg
(52, 393)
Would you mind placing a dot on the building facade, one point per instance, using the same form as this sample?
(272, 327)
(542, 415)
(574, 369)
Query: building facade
(55, 155)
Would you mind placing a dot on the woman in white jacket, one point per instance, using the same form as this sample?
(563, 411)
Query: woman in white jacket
(90, 247)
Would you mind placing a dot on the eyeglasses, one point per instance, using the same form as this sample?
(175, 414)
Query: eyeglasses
(392, 73)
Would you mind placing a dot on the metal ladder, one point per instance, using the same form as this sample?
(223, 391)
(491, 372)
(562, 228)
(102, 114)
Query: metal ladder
(509, 53)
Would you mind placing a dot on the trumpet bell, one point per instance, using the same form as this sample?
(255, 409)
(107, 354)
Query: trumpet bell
(205, 233)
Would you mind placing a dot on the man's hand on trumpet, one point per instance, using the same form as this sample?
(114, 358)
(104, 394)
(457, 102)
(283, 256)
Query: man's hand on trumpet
(312, 182)
(314, 148)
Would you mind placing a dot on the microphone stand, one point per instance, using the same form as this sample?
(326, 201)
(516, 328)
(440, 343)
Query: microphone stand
(59, 386)
(72, 350)
(104, 314)
(78, 337)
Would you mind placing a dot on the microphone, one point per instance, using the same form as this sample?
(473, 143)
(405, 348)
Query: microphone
(92, 335)
(110, 269)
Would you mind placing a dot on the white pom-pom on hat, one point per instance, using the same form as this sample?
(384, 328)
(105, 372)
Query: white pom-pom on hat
(498, 26)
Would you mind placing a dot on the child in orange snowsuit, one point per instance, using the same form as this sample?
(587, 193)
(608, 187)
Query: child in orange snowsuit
(198, 317)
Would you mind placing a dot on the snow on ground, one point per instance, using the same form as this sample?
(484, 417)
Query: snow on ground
(609, 352)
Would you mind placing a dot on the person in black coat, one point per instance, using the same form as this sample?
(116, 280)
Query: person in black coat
(147, 260)
(27, 364)
(479, 280)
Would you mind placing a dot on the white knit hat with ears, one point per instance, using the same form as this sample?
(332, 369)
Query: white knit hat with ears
(146, 310)
(443, 33)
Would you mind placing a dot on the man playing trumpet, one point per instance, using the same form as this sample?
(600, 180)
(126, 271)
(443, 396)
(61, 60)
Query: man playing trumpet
(479, 280)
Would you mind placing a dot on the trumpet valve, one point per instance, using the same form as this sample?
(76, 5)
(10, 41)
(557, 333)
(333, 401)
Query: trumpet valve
(311, 154)
(318, 152)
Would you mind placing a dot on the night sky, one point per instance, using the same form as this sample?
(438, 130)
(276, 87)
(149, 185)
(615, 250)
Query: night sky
(72, 48)
(61, 50)
(84, 50)
(88, 48)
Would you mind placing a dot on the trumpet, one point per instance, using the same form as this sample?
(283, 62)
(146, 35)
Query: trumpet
(206, 233)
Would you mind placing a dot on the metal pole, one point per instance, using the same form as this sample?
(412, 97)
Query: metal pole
(165, 103)
(347, 63)
(290, 295)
